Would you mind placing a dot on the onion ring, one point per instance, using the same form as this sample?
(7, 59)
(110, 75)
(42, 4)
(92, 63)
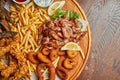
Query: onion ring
(62, 58)
(61, 72)
(43, 58)
(53, 54)
(72, 53)
(32, 57)
(70, 63)
(45, 51)
(51, 69)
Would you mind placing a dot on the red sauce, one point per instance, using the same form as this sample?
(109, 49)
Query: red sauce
(20, 0)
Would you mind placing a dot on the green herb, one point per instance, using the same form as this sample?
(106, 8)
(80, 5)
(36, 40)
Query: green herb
(68, 13)
(75, 15)
(58, 13)
(72, 15)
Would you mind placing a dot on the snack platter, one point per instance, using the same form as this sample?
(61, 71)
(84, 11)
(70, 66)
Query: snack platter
(43, 42)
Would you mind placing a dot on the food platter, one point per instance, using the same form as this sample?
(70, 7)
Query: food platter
(38, 38)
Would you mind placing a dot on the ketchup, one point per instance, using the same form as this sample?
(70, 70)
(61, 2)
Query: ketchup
(20, 0)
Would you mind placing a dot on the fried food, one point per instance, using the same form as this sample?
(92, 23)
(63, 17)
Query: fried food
(72, 53)
(3, 65)
(26, 21)
(4, 42)
(61, 53)
(62, 72)
(51, 69)
(53, 54)
(16, 60)
(14, 71)
(45, 51)
(60, 62)
(9, 70)
(69, 63)
(32, 57)
(43, 58)
(20, 73)
(4, 50)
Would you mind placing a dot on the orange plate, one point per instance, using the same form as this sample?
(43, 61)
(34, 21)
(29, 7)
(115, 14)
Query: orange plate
(85, 43)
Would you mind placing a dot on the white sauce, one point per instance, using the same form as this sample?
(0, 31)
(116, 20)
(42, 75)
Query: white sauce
(43, 3)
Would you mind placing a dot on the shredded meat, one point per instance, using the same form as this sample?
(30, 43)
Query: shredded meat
(60, 31)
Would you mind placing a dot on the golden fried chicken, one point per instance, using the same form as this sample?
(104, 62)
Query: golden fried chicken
(21, 73)
(3, 65)
(4, 50)
(9, 70)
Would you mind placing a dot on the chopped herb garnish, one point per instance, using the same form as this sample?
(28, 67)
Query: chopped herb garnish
(68, 13)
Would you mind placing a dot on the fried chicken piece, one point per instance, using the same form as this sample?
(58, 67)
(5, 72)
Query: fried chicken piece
(22, 72)
(9, 70)
(3, 42)
(2, 66)
(18, 55)
(4, 50)
(22, 69)
(7, 44)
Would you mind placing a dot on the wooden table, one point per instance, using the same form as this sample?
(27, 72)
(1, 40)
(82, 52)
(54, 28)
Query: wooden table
(104, 60)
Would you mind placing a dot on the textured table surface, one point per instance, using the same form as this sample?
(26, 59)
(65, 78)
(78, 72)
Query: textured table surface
(104, 60)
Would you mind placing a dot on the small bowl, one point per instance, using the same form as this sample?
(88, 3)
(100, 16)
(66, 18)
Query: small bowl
(24, 2)
(43, 3)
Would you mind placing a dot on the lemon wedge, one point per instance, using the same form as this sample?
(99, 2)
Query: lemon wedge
(73, 46)
(55, 6)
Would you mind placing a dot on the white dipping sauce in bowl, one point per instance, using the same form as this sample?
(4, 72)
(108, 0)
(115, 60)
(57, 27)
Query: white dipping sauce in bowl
(43, 3)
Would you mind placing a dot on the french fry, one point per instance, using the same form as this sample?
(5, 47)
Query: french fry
(27, 19)
(24, 39)
(18, 7)
(23, 18)
(34, 42)
(41, 18)
(26, 42)
(29, 5)
(33, 47)
(29, 70)
(16, 20)
(33, 8)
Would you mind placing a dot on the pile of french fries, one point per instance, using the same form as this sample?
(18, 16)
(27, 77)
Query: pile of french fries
(26, 19)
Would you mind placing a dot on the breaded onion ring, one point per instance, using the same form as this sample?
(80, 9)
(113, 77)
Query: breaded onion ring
(61, 72)
(72, 53)
(43, 58)
(62, 58)
(53, 54)
(51, 69)
(69, 63)
(45, 51)
(32, 57)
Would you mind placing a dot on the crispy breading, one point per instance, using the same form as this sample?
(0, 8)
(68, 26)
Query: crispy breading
(3, 65)
(9, 70)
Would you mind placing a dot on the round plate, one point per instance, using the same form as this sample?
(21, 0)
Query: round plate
(85, 43)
